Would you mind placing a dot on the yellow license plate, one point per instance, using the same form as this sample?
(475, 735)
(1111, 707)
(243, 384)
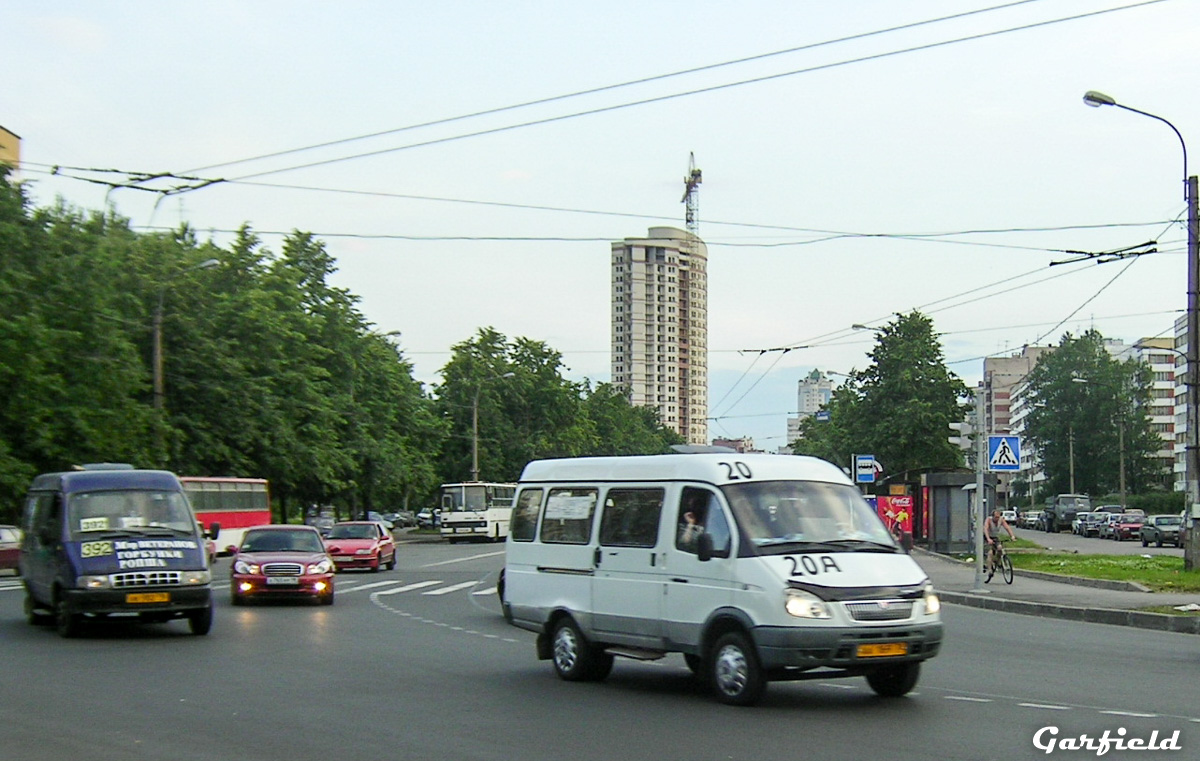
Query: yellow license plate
(145, 597)
(882, 650)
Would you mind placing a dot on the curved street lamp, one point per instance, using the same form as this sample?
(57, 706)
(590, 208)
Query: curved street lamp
(1191, 552)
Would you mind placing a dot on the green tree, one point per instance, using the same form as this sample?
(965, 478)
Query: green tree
(899, 408)
(1088, 414)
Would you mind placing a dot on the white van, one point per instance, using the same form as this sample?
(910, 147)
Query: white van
(756, 568)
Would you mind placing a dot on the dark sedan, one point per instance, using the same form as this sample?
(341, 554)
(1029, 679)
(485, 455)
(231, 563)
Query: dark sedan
(1161, 529)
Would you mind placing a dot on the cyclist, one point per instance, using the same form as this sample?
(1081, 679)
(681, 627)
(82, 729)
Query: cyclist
(991, 530)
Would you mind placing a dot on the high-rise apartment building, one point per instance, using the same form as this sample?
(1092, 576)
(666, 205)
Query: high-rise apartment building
(660, 327)
(813, 392)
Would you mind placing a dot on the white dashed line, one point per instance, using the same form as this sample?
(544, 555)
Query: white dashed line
(1131, 713)
(451, 588)
(1044, 706)
(966, 699)
(463, 560)
(407, 588)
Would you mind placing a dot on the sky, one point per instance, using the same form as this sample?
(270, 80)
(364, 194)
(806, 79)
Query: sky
(469, 163)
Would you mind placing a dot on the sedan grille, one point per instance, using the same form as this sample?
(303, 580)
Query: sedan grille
(880, 610)
(145, 579)
(282, 569)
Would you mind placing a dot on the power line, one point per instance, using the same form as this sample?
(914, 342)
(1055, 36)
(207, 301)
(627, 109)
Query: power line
(606, 88)
(688, 93)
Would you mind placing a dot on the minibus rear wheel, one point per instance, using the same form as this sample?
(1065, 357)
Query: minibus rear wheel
(575, 659)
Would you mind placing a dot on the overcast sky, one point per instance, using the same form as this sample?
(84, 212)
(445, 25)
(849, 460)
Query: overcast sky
(824, 158)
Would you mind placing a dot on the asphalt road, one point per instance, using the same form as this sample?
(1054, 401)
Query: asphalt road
(417, 663)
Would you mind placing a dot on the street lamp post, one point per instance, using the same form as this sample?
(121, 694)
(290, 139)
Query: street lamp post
(156, 328)
(475, 425)
(1191, 552)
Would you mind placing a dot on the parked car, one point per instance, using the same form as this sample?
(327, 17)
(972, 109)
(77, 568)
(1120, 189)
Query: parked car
(1029, 519)
(1161, 529)
(282, 561)
(1010, 516)
(10, 547)
(429, 518)
(361, 544)
(405, 519)
(1092, 526)
(1105, 530)
(1079, 525)
(379, 518)
(1128, 526)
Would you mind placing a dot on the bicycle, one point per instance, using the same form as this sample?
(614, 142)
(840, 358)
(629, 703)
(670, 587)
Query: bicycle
(999, 558)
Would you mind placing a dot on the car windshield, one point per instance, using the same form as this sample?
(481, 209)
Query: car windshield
(1133, 519)
(131, 511)
(785, 516)
(9, 535)
(282, 541)
(353, 531)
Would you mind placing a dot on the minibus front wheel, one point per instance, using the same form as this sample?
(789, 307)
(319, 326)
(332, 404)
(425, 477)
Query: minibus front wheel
(66, 621)
(575, 659)
(894, 681)
(736, 675)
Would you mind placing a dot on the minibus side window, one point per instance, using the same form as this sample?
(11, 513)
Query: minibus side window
(630, 517)
(525, 515)
(700, 513)
(568, 516)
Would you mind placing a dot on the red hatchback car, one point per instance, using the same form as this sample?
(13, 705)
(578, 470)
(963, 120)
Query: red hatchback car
(1128, 526)
(361, 544)
(10, 547)
(282, 561)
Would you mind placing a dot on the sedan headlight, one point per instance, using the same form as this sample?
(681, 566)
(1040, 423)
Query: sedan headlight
(242, 566)
(93, 582)
(805, 605)
(933, 603)
(324, 566)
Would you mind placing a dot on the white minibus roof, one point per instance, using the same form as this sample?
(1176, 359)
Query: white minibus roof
(717, 469)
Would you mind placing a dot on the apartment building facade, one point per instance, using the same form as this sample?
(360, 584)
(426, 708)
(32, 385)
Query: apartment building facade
(660, 327)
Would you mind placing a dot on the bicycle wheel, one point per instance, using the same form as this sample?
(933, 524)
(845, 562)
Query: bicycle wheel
(1006, 569)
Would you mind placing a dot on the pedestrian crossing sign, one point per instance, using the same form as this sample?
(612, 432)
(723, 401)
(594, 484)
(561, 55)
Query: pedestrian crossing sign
(1004, 453)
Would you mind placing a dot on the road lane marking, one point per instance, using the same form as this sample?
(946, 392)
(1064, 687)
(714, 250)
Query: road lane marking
(369, 586)
(1131, 713)
(451, 588)
(463, 560)
(966, 699)
(407, 588)
(1044, 706)
(490, 591)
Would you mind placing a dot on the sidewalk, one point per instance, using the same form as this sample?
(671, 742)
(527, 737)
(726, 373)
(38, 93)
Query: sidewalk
(1036, 594)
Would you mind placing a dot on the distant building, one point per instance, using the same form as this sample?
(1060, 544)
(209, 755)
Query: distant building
(742, 445)
(660, 327)
(813, 392)
(10, 148)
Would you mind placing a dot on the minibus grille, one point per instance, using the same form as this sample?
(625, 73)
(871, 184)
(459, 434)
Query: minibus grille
(146, 579)
(880, 610)
(282, 569)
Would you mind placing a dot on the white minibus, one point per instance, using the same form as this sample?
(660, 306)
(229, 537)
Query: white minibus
(755, 568)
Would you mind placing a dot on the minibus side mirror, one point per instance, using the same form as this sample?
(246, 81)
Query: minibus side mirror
(704, 547)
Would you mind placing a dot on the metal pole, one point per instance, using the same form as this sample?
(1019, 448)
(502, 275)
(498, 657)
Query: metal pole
(1191, 550)
(475, 435)
(980, 515)
(1071, 456)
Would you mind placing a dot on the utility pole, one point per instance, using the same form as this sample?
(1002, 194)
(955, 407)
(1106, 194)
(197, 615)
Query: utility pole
(980, 514)
(1191, 549)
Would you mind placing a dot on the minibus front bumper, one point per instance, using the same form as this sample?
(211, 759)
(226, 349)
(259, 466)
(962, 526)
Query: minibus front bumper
(159, 600)
(858, 647)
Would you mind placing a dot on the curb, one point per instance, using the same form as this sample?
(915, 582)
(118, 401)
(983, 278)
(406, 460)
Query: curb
(1079, 581)
(1135, 618)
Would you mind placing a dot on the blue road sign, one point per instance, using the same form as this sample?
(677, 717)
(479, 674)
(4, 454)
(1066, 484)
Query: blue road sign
(864, 468)
(1004, 453)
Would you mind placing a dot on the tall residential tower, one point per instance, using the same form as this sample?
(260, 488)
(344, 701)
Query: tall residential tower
(660, 327)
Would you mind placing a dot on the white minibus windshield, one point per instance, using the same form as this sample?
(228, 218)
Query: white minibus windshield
(792, 516)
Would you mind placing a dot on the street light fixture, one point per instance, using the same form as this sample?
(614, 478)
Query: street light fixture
(1191, 553)
(475, 423)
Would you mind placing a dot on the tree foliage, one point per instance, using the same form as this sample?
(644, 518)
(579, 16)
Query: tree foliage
(1091, 408)
(899, 408)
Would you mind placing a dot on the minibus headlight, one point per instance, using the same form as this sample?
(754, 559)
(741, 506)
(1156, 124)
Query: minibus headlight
(197, 577)
(933, 603)
(805, 605)
(92, 582)
(243, 567)
(325, 566)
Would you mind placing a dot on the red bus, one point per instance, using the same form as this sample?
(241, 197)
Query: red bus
(235, 503)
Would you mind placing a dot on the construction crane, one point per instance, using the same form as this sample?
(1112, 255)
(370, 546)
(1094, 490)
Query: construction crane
(691, 197)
